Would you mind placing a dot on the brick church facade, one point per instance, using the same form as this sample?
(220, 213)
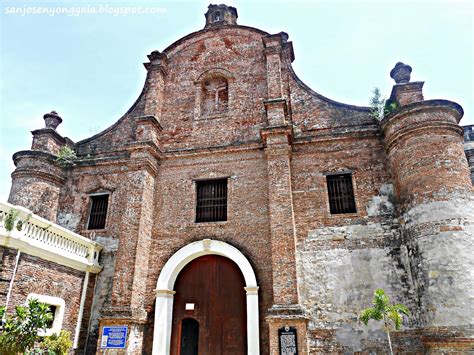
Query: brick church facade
(232, 202)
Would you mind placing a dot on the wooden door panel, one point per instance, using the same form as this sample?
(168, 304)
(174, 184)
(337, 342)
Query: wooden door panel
(231, 337)
(215, 286)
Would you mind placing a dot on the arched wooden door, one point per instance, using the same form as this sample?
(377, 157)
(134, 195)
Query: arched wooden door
(210, 290)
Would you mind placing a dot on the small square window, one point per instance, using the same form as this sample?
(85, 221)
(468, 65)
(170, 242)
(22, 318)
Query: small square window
(211, 200)
(98, 211)
(341, 194)
(216, 16)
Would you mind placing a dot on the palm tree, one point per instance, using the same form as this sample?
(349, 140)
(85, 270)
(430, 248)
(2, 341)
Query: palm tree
(390, 314)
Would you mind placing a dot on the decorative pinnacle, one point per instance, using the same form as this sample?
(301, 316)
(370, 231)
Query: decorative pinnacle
(155, 56)
(401, 73)
(52, 120)
(220, 15)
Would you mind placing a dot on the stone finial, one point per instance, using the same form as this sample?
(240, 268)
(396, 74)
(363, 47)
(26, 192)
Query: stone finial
(220, 15)
(157, 60)
(52, 120)
(401, 73)
(156, 57)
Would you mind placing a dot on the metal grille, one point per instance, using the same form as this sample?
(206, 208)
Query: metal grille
(98, 212)
(211, 202)
(341, 194)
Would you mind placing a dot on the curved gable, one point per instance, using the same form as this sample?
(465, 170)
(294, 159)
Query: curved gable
(237, 53)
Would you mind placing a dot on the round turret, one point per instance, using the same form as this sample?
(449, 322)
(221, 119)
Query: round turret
(424, 144)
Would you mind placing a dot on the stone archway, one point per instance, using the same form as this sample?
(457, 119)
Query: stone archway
(169, 273)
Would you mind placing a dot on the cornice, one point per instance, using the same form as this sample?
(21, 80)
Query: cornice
(38, 154)
(31, 172)
(422, 126)
(428, 105)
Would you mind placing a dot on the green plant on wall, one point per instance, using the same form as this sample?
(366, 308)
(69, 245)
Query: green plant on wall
(389, 107)
(20, 223)
(66, 156)
(390, 314)
(10, 218)
(380, 106)
(20, 330)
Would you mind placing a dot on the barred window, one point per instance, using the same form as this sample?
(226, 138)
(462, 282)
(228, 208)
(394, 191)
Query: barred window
(341, 194)
(98, 212)
(211, 200)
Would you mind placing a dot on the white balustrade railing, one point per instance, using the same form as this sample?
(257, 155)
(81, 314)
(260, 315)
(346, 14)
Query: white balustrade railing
(32, 234)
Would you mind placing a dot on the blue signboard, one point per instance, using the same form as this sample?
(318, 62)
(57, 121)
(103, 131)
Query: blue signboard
(114, 337)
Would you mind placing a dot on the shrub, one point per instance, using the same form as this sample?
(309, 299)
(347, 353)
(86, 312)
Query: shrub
(20, 330)
(57, 344)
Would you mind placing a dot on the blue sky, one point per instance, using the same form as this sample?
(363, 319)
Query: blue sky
(88, 67)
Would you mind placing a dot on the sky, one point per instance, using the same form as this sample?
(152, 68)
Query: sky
(88, 66)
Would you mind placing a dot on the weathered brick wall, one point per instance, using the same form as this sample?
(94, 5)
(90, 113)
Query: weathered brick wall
(6, 272)
(439, 237)
(87, 313)
(313, 113)
(469, 148)
(36, 183)
(425, 149)
(342, 259)
(101, 294)
(35, 275)
(235, 49)
(246, 228)
(127, 207)
(73, 212)
(470, 160)
(426, 153)
(47, 140)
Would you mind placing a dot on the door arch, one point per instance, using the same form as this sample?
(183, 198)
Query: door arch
(165, 285)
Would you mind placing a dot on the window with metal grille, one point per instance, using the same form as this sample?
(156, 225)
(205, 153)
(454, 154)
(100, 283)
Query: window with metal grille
(98, 212)
(341, 194)
(211, 201)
